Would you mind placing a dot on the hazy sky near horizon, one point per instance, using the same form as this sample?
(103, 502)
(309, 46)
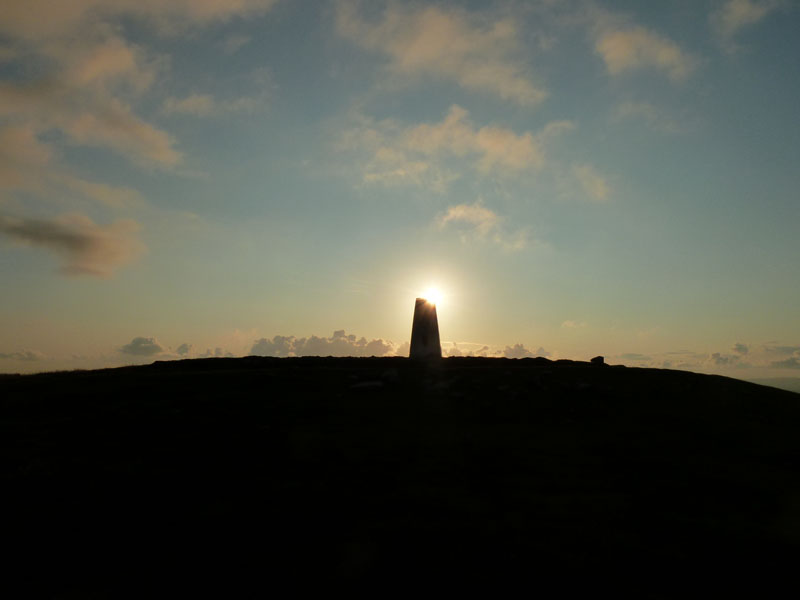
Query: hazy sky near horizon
(578, 177)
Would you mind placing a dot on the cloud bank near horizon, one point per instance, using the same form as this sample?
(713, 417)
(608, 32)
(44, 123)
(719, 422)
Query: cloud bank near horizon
(742, 360)
(338, 344)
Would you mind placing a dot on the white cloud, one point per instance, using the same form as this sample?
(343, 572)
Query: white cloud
(593, 183)
(86, 93)
(142, 346)
(465, 349)
(102, 60)
(635, 47)
(572, 324)
(78, 80)
(520, 351)
(718, 359)
(88, 114)
(217, 352)
(735, 15)
(453, 350)
(280, 345)
(478, 53)
(84, 247)
(89, 77)
(36, 19)
(740, 348)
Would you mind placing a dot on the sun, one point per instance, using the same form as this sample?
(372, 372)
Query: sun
(433, 295)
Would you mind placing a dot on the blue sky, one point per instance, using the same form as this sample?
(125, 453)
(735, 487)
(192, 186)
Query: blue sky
(185, 178)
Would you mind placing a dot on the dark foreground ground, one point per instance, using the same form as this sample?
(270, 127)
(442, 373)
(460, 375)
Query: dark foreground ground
(243, 476)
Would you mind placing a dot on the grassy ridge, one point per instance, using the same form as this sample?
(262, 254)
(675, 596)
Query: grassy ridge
(242, 472)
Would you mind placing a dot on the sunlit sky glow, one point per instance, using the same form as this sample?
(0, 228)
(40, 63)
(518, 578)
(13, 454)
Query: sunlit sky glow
(433, 295)
(189, 178)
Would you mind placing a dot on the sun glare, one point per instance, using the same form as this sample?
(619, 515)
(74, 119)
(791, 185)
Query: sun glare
(433, 295)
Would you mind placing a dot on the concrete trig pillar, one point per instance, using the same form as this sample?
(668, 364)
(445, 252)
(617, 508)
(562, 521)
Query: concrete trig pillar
(425, 331)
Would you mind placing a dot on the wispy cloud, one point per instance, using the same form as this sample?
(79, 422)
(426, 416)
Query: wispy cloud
(495, 147)
(84, 247)
(414, 154)
(478, 53)
(477, 222)
(593, 183)
(36, 19)
(206, 105)
(27, 164)
(22, 156)
(102, 193)
(654, 117)
(24, 355)
(476, 215)
(233, 43)
(789, 363)
(635, 356)
(780, 350)
(742, 357)
(735, 15)
(7, 54)
(200, 105)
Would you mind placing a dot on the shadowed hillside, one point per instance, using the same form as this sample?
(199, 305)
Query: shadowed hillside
(246, 473)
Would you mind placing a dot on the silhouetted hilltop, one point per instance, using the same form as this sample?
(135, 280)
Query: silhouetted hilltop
(791, 384)
(246, 474)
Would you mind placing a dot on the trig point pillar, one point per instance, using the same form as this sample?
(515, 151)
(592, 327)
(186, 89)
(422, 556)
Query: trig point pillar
(425, 331)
